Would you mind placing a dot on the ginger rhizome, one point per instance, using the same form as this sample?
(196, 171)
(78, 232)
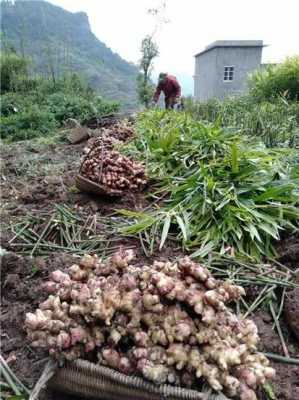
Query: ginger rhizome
(168, 322)
(107, 167)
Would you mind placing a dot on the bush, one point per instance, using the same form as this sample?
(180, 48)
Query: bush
(28, 124)
(32, 107)
(275, 81)
(65, 106)
(13, 70)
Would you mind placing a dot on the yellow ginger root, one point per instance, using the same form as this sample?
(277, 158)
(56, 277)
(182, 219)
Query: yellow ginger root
(177, 355)
(140, 353)
(195, 270)
(122, 258)
(152, 302)
(206, 335)
(211, 283)
(212, 375)
(60, 277)
(182, 331)
(88, 262)
(224, 355)
(158, 336)
(178, 292)
(208, 315)
(163, 282)
(114, 337)
(77, 273)
(37, 320)
(125, 366)
(234, 291)
(156, 373)
(157, 354)
(195, 298)
(142, 339)
(129, 301)
(111, 357)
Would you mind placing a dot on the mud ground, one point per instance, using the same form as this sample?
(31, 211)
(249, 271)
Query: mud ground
(33, 178)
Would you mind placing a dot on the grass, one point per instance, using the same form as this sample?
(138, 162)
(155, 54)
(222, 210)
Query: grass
(63, 230)
(275, 122)
(11, 384)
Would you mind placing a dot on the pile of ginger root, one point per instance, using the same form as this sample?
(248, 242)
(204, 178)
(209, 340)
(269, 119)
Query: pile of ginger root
(167, 322)
(114, 171)
(111, 136)
(104, 165)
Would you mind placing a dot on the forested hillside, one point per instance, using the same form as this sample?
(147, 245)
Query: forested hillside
(59, 41)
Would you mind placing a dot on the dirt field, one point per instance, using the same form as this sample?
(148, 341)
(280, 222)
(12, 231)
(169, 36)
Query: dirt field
(34, 178)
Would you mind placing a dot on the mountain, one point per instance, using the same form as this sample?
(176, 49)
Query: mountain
(58, 41)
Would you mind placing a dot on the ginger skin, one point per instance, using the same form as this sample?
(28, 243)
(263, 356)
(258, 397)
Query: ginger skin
(168, 322)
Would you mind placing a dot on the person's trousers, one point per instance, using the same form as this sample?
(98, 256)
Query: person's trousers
(170, 102)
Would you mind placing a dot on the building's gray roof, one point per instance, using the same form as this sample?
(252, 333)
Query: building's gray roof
(232, 43)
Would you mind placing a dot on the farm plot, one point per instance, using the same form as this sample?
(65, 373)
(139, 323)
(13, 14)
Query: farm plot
(227, 202)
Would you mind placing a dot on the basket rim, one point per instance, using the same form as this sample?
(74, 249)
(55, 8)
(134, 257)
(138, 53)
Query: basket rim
(72, 371)
(97, 187)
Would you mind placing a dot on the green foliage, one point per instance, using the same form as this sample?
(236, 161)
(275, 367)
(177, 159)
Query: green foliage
(13, 70)
(39, 106)
(30, 123)
(276, 122)
(145, 90)
(149, 51)
(66, 105)
(224, 192)
(274, 81)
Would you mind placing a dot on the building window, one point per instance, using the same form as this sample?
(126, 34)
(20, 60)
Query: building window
(228, 74)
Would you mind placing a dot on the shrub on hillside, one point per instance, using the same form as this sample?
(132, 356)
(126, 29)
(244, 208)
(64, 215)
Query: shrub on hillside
(66, 105)
(28, 124)
(25, 117)
(32, 107)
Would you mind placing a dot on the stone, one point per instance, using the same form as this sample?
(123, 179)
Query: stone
(78, 135)
(71, 123)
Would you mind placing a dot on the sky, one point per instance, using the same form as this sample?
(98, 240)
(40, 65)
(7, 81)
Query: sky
(192, 25)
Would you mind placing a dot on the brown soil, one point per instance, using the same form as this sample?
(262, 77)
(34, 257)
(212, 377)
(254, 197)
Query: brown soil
(21, 280)
(286, 382)
(291, 311)
(34, 179)
(288, 250)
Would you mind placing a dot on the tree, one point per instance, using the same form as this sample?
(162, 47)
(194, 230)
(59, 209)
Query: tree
(149, 51)
(13, 68)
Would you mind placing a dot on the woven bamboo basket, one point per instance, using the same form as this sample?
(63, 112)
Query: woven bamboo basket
(88, 186)
(84, 379)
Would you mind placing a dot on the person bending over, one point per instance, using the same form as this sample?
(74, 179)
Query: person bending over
(169, 85)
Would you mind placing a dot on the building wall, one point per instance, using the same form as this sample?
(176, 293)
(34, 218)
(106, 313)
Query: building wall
(209, 71)
(204, 78)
